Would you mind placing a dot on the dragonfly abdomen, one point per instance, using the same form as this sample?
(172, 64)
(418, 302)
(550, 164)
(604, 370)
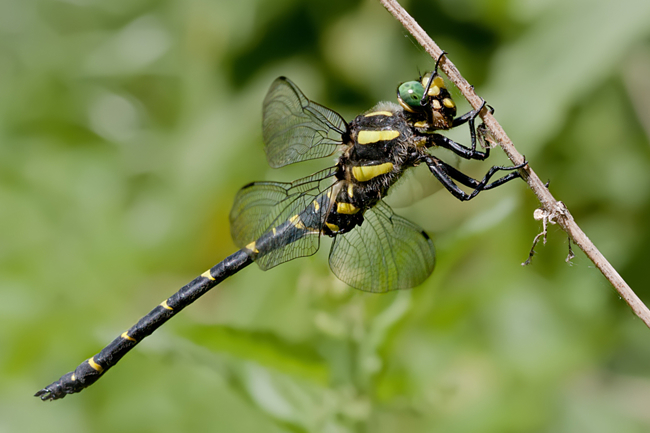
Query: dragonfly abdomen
(89, 371)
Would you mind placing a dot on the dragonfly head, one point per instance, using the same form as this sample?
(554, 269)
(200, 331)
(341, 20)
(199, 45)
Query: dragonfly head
(428, 100)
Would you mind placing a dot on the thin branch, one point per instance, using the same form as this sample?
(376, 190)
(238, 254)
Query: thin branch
(556, 210)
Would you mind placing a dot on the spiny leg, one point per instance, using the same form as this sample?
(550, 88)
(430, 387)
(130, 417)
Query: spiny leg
(423, 101)
(470, 117)
(446, 174)
(483, 184)
(457, 148)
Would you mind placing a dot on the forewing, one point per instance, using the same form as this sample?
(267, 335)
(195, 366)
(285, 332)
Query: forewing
(297, 129)
(266, 209)
(387, 252)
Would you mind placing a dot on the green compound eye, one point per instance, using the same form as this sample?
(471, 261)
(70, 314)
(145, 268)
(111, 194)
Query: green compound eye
(411, 93)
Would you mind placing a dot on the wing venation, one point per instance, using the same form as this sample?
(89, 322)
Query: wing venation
(387, 252)
(281, 217)
(296, 129)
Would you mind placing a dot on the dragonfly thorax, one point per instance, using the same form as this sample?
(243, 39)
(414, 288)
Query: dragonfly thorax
(381, 147)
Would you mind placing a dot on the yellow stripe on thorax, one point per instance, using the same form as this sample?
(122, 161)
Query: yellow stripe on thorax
(367, 137)
(364, 173)
(378, 113)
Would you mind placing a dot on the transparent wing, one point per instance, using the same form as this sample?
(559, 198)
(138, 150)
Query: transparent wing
(297, 129)
(283, 219)
(387, 252)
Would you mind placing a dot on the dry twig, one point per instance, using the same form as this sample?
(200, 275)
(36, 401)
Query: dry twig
(550, 205)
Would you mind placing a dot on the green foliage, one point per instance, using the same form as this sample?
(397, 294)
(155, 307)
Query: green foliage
(127, 127)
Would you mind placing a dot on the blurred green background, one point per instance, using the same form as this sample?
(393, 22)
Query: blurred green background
(127, 127)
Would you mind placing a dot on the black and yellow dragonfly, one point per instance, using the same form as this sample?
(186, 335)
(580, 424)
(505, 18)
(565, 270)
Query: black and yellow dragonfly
(373, 249)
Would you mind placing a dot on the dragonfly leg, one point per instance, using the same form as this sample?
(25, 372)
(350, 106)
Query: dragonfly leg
(447, 174)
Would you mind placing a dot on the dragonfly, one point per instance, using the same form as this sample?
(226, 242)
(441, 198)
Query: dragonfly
(373, 249)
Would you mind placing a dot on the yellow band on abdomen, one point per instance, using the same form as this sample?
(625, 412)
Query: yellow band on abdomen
(251, 247)
(94, 365)
(346, 208)
(364, 173)
(297, 222)
(367, 137)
